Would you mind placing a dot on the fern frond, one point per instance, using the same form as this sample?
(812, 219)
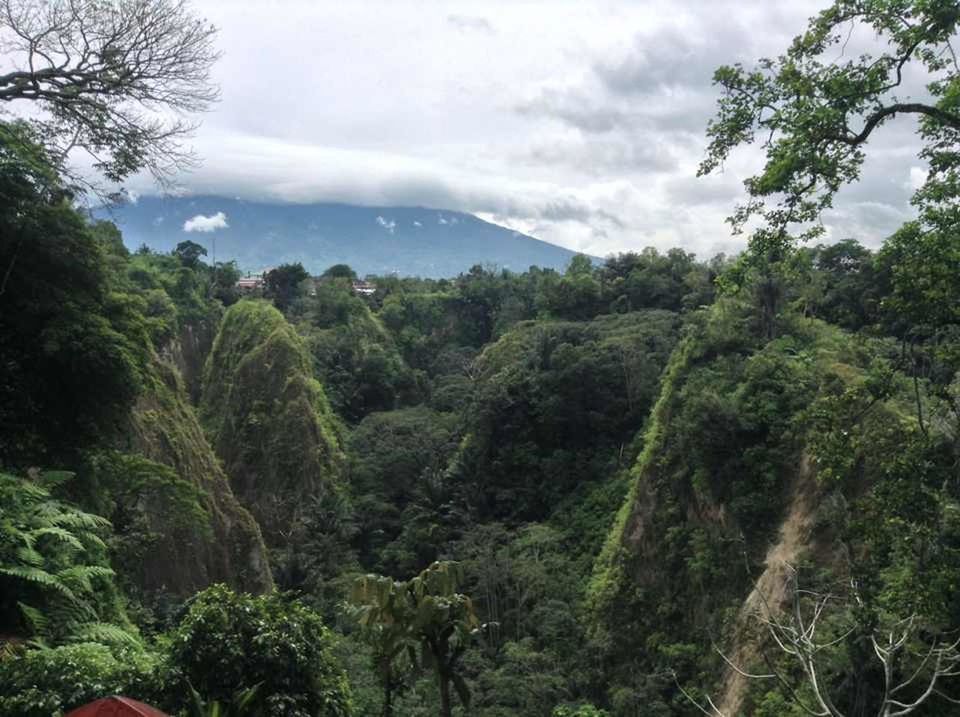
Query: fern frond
(54, 479)
(69, 518)
(27, 489)
(26, 537)
(70, 615)
(39, 577)
(79, 576)
(29, 556)
(34, 618)
(59, 533)
(105, 633)
(92, 541)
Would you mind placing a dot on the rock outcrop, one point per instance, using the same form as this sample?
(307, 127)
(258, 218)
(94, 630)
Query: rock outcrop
(223, 542)
(269, 419)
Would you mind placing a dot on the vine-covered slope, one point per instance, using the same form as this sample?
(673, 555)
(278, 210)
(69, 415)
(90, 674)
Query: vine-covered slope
(762, 463)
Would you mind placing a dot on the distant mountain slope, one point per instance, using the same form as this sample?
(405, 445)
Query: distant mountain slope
(379, 240)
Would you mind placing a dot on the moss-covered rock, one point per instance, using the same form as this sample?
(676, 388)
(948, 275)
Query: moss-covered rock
(217, 540)
(269, 418)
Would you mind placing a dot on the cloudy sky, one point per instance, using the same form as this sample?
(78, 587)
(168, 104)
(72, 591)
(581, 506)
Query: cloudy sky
(581, 123)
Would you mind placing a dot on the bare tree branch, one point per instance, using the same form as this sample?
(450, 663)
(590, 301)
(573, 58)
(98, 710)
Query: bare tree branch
(116, 78)
(902, 666)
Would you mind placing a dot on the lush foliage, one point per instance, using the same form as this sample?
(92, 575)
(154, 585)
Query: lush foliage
(55, 579)
(426, 611)
(597, 477)
(69, 341)
(40, 683)
(228, 642)
(356, 358)
(269, 418)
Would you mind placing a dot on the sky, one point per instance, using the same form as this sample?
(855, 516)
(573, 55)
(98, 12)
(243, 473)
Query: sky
(580, 123)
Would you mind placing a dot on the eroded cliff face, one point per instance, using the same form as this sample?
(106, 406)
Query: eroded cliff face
(753, 458)
(269, 419)
(221, 542)
(188, 352)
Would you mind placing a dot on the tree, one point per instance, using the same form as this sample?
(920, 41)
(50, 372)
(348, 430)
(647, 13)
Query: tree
(814, 117)
(114, 78)
(70, 359)
(340, 271)
(576, 294)
(40, 683)
(284, 284)
(445, 622)
(229, 642)
(426, 610)
(382, 608)
(226, 274)
(189, 253)
(914, 661)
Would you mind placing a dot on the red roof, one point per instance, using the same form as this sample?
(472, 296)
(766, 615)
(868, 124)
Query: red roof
(116, 707)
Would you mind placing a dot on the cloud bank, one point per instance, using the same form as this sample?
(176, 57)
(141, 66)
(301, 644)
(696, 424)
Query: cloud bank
(580, 123)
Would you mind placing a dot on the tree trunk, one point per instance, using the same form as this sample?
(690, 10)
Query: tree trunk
(387, 699)
(445, 707)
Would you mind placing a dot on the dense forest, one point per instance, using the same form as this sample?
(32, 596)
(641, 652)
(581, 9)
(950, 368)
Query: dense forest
(653, 485)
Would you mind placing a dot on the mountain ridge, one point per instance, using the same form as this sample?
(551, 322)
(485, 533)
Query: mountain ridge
(409, 241)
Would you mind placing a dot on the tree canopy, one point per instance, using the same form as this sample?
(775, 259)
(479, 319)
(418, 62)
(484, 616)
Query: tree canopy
(813, 116)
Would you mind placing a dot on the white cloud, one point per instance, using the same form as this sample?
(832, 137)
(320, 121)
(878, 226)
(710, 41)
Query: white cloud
(201, 223)
(417, 224)
(389, 224)
(586, 133)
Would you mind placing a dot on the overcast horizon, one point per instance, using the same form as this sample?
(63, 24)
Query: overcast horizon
(579, 124)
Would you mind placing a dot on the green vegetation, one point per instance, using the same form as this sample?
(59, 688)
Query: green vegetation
(356, 358)
(40, 683)
(271, 654)
(269, 419)
(56, 580)
(183, 528)
(614, 486)
(427, 612)
(229, 642)
(555, 405)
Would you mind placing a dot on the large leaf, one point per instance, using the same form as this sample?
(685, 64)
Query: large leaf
(60, 533)
(54, 479)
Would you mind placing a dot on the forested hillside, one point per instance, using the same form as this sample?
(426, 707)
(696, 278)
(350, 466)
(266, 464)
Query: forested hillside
(656, 485)
(409, 241)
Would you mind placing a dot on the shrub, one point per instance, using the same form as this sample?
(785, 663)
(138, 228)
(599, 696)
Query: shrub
(231, 641)
(40, 683)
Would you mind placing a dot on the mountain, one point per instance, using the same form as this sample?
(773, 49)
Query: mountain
(411, 241)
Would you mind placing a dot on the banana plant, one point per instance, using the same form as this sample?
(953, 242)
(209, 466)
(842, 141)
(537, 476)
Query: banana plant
(426, 612)
(242, 704)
